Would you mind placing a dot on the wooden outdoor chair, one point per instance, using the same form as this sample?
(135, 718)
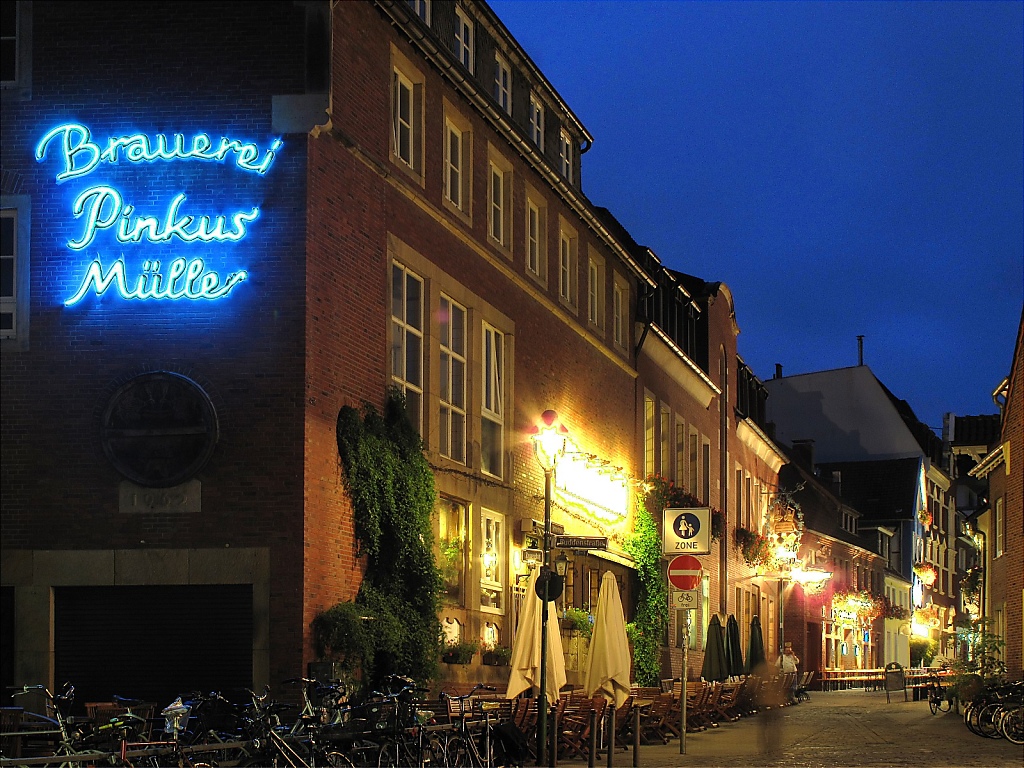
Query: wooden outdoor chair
(10, 723)
(653, 722)
(574, 729)
(623, 728)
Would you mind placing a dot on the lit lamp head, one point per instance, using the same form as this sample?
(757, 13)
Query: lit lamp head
(549, 440)
(810, 578)
(561, 564)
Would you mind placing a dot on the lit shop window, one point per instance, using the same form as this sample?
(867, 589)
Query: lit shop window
(452, 429)
(492, 560)
(407, 339)
(451, 539)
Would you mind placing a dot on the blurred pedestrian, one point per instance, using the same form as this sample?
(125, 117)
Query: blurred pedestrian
(789, 664)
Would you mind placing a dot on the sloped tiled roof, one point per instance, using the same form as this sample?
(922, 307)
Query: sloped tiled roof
(880, 490)
(976, 430)
(821, 509)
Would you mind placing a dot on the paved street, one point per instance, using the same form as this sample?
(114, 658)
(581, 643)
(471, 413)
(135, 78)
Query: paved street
(832, 730)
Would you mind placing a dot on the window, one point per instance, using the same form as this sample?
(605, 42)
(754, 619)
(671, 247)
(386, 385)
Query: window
(738, 490)
(452, 428)
(421, 8)
(407, 116)
(16, 50)
(648, 434)
(499, 193)
(464, 39)
(8, 273)
(595, 291)
(407, 339)
(1000, 526)
(14, 273)
(537, 121)
(502, 84)
(565, 155)
(536, 238)
(665, 433)
(680, 457)
(451, 539)
(493, 409)
(457, 171)
(620, 306)
(705, 474)
(693, 474)
(567, 268)
(492, 560)
(9, 43)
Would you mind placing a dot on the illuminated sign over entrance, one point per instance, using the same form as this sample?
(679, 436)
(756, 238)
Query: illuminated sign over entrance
(102, 209)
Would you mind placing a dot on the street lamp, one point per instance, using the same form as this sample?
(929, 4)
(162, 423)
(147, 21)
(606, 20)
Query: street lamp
(549, 446)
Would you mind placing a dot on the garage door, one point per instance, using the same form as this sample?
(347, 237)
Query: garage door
(153, 642)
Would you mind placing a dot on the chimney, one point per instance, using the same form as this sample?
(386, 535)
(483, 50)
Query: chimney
(860, 350)
(778, 370)
(803, 453)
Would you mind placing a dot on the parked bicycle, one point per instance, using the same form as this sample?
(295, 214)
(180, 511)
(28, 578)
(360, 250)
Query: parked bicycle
(938, 698)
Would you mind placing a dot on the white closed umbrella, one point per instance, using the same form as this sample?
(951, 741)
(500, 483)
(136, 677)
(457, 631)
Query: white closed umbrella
(525, 661)
(607, 670)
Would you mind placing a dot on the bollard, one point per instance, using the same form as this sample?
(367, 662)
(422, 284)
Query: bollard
(636, 737)
(592, 745)
(487, 739)
(553, 741)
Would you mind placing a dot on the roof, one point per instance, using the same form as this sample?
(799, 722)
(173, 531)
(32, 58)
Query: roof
(822, 510)
(975, 430)
(848, 413)
(880, 490)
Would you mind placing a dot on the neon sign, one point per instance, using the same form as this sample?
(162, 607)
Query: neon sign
(103, 209)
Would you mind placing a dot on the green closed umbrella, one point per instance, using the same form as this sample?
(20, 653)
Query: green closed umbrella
(715, 668)
(733, 647)
(755, 648)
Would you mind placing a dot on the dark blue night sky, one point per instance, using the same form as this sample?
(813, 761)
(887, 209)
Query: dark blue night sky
(845, 167)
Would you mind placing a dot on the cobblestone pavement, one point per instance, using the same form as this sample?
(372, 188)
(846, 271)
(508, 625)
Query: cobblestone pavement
(835, 730)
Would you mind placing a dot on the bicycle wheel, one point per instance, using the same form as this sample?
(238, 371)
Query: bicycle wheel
(987, 721)
(459, 753)
(1011, 724)
(933, 701)
(336, 759)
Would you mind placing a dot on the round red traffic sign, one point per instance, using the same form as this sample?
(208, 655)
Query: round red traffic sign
(684, 572)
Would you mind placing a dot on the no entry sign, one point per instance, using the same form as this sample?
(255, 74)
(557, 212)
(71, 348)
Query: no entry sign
(684, 572)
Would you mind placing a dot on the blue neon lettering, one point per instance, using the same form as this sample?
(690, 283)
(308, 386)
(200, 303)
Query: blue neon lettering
(184, 280)
(81, 155)
(103, 208)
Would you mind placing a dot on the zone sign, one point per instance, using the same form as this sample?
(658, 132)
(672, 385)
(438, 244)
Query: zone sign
(687, 531)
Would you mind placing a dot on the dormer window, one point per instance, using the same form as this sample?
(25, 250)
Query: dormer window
(464, 39)
(503, 84)
(537, 121)
(565, 156)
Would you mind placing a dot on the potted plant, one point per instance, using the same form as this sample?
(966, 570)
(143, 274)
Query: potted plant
(497, 656)
(459, 652)
(577, 620)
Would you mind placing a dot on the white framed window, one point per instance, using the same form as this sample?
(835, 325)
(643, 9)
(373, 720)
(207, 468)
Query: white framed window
(499, 198)
(16, 48)
(407, 115)
(565, 156)
(464, 38)
(665, 447)
(452, 391)
(492, 560)
(537, 121)
(595, 290)
(457, 170)
(705, 473)
(492, 411)
(407, 339)
(451, 518)
(620, 305)
(537, 238)
(503, 84)
(421, 8)
(568, 272)
(1000, 526)
(680, 453)
(648, 434)
(693, 462)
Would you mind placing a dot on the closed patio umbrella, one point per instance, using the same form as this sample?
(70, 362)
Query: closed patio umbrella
(525, 660)
(755, 648)
(607, 669)
(715, 668)
(733, 647)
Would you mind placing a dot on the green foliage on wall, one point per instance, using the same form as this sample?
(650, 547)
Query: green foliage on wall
(392, 627)
(651, 624)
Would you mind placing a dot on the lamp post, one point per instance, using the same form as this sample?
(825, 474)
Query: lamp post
(549, 446)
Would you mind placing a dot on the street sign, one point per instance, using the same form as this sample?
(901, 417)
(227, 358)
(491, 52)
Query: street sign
(686, 599)
(581, 542)
(684, 572)
(687, 531)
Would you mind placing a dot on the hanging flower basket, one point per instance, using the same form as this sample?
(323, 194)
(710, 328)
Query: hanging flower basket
(756, 549)
(924, 517)
(926, 572)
